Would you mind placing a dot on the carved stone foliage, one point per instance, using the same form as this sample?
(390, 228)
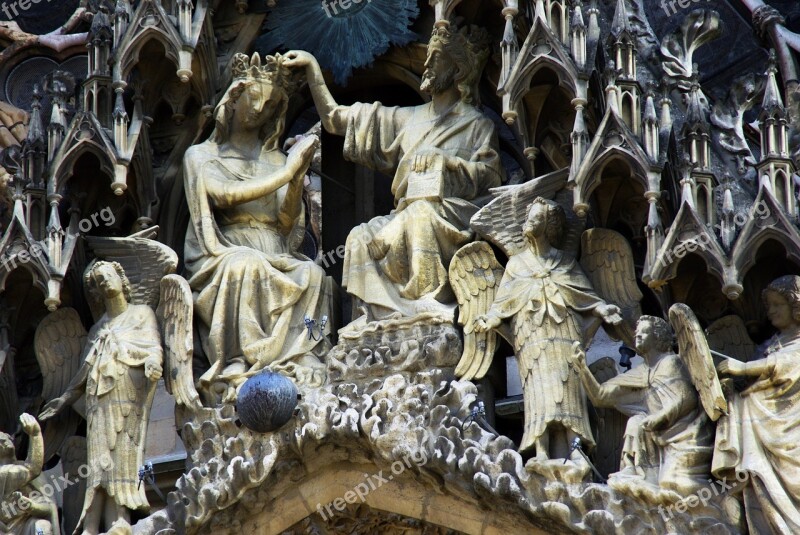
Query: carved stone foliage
(404, 346)
(235, 473)
(629, 127)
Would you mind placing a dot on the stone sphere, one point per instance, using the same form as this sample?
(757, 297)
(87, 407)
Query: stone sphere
(266, 402)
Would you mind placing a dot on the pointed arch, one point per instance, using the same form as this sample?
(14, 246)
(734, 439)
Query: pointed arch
(782, 189)
(628, 110)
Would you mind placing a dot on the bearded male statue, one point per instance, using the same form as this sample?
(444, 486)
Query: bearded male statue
(442, 154)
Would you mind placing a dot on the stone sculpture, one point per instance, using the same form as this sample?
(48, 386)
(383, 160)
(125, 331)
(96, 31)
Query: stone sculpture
(443, 155)
(123, 359)
(252, 288)
(550, 304)
(22, 512)
(13, 123)
(756, 442)
(669, 438)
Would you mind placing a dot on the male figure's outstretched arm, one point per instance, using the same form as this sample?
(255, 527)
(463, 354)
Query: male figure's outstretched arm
(331, 114)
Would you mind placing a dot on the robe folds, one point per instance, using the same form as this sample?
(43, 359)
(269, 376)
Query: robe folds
(677, 455)
(550, 302)
(417, 240)
(118, 401)
(252, 292)
(758, 444)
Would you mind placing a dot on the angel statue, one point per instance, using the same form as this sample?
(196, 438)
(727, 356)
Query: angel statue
(666, 453)
(757, 442)
(253, 289)
(443, 155)
(122, 361)
(550, 304)
(24, 509)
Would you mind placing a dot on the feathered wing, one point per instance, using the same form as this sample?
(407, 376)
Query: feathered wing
(144, 260)
(175, 313)
(729, 336)
(608, 425)
(694, 351)
(607, 259)
(501, 220)
(475, 275)
(59, 342)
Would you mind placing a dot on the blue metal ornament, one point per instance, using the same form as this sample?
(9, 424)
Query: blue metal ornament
(266, 402)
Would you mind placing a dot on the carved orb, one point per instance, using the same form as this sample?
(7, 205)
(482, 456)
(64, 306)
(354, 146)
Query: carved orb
(266, 402)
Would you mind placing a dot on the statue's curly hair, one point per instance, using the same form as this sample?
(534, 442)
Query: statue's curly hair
(556, 221)
(787, 287)
(469, 48)
(662, 331)
(91, 284)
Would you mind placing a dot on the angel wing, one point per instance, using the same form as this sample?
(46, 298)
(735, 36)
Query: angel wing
(694, 351)
(175, 314)
(144, 260)
(59, 342)
(607, 259)
(501, 220)
(475, 276)
(728, 335)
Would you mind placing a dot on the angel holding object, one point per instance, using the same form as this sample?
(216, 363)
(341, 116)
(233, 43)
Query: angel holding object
(252, 287)
(122, 361)
(550, 304)
(20, 512)
(758, 442)
(666, 453)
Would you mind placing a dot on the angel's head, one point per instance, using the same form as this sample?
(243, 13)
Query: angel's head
(782, 301)
(652, 334)
(8, 453)
(545, 218)
(107, 279)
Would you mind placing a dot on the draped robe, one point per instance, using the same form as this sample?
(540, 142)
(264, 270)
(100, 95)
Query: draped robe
(16, 478)
(252, 292)
(550, 302)
(677, 456)
(118, 401)
(758, 444)
(419, 238)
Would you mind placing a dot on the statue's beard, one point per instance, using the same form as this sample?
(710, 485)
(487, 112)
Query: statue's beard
(434, 84)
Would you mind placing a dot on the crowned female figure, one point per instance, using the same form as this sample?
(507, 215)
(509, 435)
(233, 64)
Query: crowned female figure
(252, 288)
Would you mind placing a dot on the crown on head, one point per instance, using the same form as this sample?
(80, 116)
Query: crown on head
(271, 70)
